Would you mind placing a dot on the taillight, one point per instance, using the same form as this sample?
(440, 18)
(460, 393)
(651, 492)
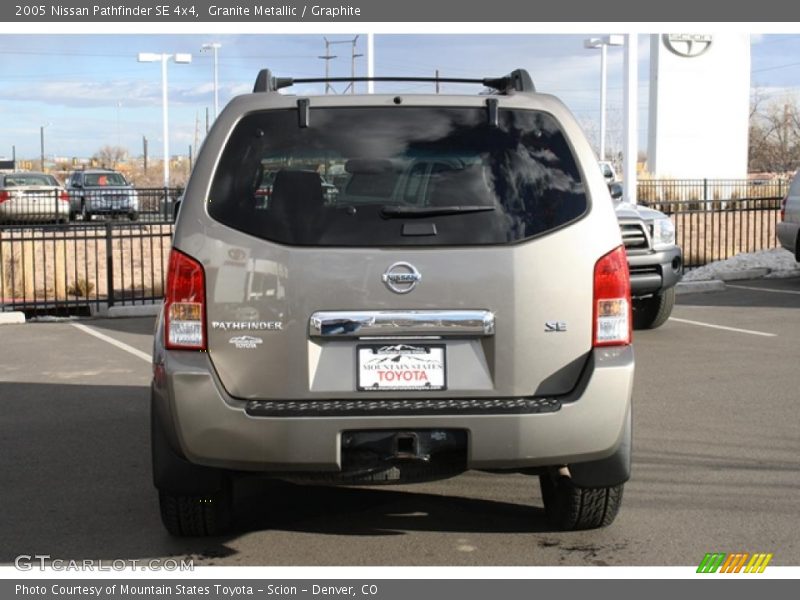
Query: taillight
(783, 207)
(612, 300)
(63, 196)
(184, 304)
(4, 196)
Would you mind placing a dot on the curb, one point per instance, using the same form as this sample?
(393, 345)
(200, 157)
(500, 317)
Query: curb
(700, 287)
(12, 318)
(116, 312)
(756, 273)
(140, 310)
(783, 274)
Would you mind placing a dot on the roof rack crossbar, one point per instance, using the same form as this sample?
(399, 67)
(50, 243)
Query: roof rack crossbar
(518, 81)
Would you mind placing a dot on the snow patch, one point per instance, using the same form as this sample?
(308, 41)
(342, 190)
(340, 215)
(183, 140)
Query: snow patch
(780, 262)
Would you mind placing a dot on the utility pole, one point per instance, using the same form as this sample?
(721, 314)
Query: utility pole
(437, 81)
(41, 142)
(370, 62)
(144, 152)
(353, 56)
(206, 120)
(196, 130)
(327, 58)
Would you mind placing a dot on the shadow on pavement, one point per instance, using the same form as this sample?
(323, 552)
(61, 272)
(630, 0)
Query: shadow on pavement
(75, 461)
(377, 511)
(136, 325)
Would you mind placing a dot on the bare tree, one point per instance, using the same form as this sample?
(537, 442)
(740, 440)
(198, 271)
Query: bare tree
(110, 156)
(774, 134)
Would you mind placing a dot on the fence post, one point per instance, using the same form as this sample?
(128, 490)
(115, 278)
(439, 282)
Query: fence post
(2, 274)
(165, 203)
(705, 190)
(109, 265)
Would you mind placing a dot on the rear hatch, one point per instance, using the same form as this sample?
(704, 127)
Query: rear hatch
(108, 191)
(453, 260)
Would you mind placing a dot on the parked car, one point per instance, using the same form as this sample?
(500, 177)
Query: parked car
(788, 230)
(464, 303)
(28, 196)
(655, 261)
(101, 192)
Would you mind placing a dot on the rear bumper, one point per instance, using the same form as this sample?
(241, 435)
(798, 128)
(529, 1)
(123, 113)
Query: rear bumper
(653, 272)
(12, 210)
(108, 209)
(210, 428)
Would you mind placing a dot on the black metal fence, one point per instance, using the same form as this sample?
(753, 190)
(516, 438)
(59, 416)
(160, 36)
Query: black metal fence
(103, 252)
(717, 218)
(72, 269)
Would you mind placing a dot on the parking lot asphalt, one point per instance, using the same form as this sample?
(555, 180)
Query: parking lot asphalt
(716, 467)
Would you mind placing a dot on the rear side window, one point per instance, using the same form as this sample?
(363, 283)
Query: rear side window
(24, 179)
(397, 176)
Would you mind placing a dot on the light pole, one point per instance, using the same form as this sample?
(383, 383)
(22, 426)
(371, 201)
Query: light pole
(215, 46)
(41, 144)
(119, 143)
(164, 58)
(370, 62)
(602, 43)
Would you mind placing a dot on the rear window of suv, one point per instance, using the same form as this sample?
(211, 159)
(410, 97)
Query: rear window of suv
(103, 179)
(397, 177)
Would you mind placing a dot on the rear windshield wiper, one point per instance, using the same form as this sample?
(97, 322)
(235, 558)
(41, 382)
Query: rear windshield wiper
(431, 211)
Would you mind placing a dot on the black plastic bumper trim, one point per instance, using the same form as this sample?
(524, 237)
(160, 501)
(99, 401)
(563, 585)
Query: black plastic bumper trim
(430, 406)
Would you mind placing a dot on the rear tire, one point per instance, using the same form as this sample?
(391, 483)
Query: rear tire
(570, 508)
(194, 500)
(649, 313)
(196, 516)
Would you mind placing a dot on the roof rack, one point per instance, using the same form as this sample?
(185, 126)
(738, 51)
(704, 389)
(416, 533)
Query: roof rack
(517, 81)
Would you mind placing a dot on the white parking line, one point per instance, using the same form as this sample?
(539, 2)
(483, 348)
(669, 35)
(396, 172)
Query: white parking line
(122, 346)
(712, 326)
(760, 289)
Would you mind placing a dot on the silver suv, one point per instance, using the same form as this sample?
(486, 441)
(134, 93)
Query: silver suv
(461, 302)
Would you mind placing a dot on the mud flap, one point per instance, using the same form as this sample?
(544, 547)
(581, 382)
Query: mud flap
(173, 473)
(610, 471)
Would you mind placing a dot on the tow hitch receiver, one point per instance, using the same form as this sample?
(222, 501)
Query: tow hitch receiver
(371, 449)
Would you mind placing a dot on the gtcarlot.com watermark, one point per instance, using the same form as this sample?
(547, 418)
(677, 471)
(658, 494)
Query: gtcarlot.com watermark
(42, 562)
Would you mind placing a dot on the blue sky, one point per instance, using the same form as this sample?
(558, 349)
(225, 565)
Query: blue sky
(90, 91)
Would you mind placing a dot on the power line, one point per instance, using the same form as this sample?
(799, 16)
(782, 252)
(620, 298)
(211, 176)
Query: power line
(775, 68)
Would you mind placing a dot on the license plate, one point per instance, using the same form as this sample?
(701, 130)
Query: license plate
(401, 367)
